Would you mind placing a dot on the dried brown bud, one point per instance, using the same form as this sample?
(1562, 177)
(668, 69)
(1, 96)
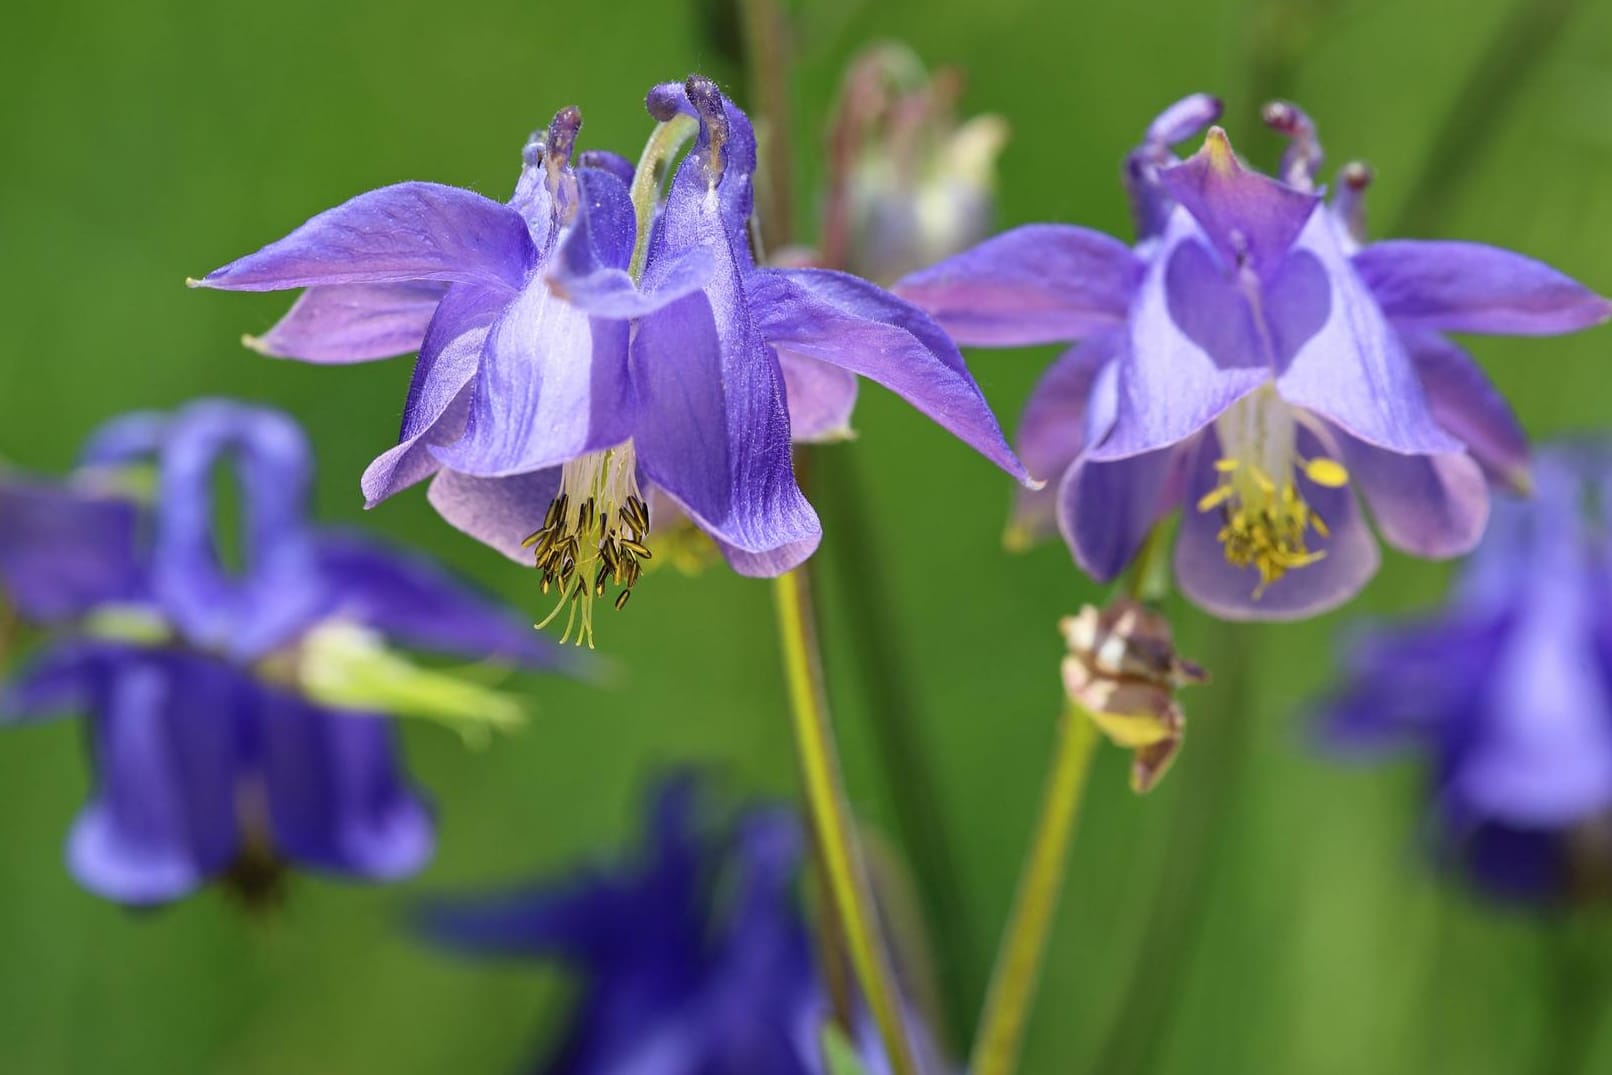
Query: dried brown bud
(1123, 670)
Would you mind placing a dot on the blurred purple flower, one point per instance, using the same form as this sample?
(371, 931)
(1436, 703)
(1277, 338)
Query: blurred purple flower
(695, 961)
(545, 422)
(1508, 693)
(1248, 360)
(205, 750)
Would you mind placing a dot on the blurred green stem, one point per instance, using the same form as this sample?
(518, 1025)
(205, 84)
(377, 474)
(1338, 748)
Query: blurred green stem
(1577, 996)
(1018, 965)
(833, 828)
(766, 31)
(908, 777)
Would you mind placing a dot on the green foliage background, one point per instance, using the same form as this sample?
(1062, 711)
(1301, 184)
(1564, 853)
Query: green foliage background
(1264, 911)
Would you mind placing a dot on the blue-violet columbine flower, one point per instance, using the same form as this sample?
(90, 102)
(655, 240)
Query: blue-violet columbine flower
(209, 692)
(695, 960)
(1249, 360)
(558, 379)
(1507, 691)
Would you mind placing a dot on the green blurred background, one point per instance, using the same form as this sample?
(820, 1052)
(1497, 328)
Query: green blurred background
(1263, 911)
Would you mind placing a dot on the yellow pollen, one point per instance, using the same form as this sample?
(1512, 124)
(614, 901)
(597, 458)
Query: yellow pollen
(594, 536)
(1266, 523)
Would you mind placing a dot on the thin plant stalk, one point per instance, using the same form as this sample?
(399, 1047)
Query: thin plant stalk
(1018, 964)
(833, 829)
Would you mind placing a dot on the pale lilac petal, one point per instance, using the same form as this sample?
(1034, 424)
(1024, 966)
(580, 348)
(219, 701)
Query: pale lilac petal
(406, 232)
(1214, 585)
(1452, 286)
(1041, 283)
(498, 512)
(714, 433)
(1244, 213)
(1193, 348)
(343, 323)
(1105, 509)
(821, 398)
(611, 292)
(1054, 430)
(551, 385)
(1337, 353)
(1434, 506)
(846, 321)
(438, 405)
(337, 796)
(1466, 405)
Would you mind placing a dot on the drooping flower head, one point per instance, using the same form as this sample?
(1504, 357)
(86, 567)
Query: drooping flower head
(1506, 693)
(561, 377)
(695, 959)
(1251, 363)
(908, 183)
(237, 714)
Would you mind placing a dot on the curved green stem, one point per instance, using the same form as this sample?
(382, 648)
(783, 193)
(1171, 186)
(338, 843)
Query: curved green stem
(1018, 963)
(662, 146)
(833, 831)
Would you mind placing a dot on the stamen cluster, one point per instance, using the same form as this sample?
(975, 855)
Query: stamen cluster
(592, 539)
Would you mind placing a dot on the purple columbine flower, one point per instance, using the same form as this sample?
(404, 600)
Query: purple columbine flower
(1507, 692)
(694, 959)
(1252, 363)
(557, 383)
(208, 748)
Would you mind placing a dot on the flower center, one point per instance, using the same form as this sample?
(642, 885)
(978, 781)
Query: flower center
(1265, 520)
(592, 537)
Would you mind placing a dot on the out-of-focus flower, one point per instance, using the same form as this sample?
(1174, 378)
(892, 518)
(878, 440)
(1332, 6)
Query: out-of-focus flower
(234, 714)
(546, 423)
(1122, 670)
(909, 184)
(1507, 692)
(695, 959)
(1250, 362)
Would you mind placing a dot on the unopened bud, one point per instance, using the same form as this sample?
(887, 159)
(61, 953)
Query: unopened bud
(1123, 670)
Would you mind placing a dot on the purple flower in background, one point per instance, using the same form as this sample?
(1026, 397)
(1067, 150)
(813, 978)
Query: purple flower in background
(695, 960)
(1249, 361)
(1507, 692)
(556, 384)
(203, 685)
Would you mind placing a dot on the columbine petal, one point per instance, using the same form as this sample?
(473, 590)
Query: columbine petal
(838, 318)
(344, 323)
(1106, 509)
(1466, 405)
(276, 595)
(821, 397)
(1469, 287)
(411, 600)
(438, 403)
(1042, 283)
(405, 232)
(551, 385)
(498, 512)
(714, 433)
(337, 799)
(1227, 591)
(1338, 356)
(167, 753)
(1433, 506)
(128, 438)
(1054, 430)
(1193, 348)
(63, 552)
(1245, 214)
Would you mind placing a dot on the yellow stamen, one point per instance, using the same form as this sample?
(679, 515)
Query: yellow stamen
(593, 537)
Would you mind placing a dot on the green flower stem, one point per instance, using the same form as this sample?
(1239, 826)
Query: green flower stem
(1018, 963)
(833, 830)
